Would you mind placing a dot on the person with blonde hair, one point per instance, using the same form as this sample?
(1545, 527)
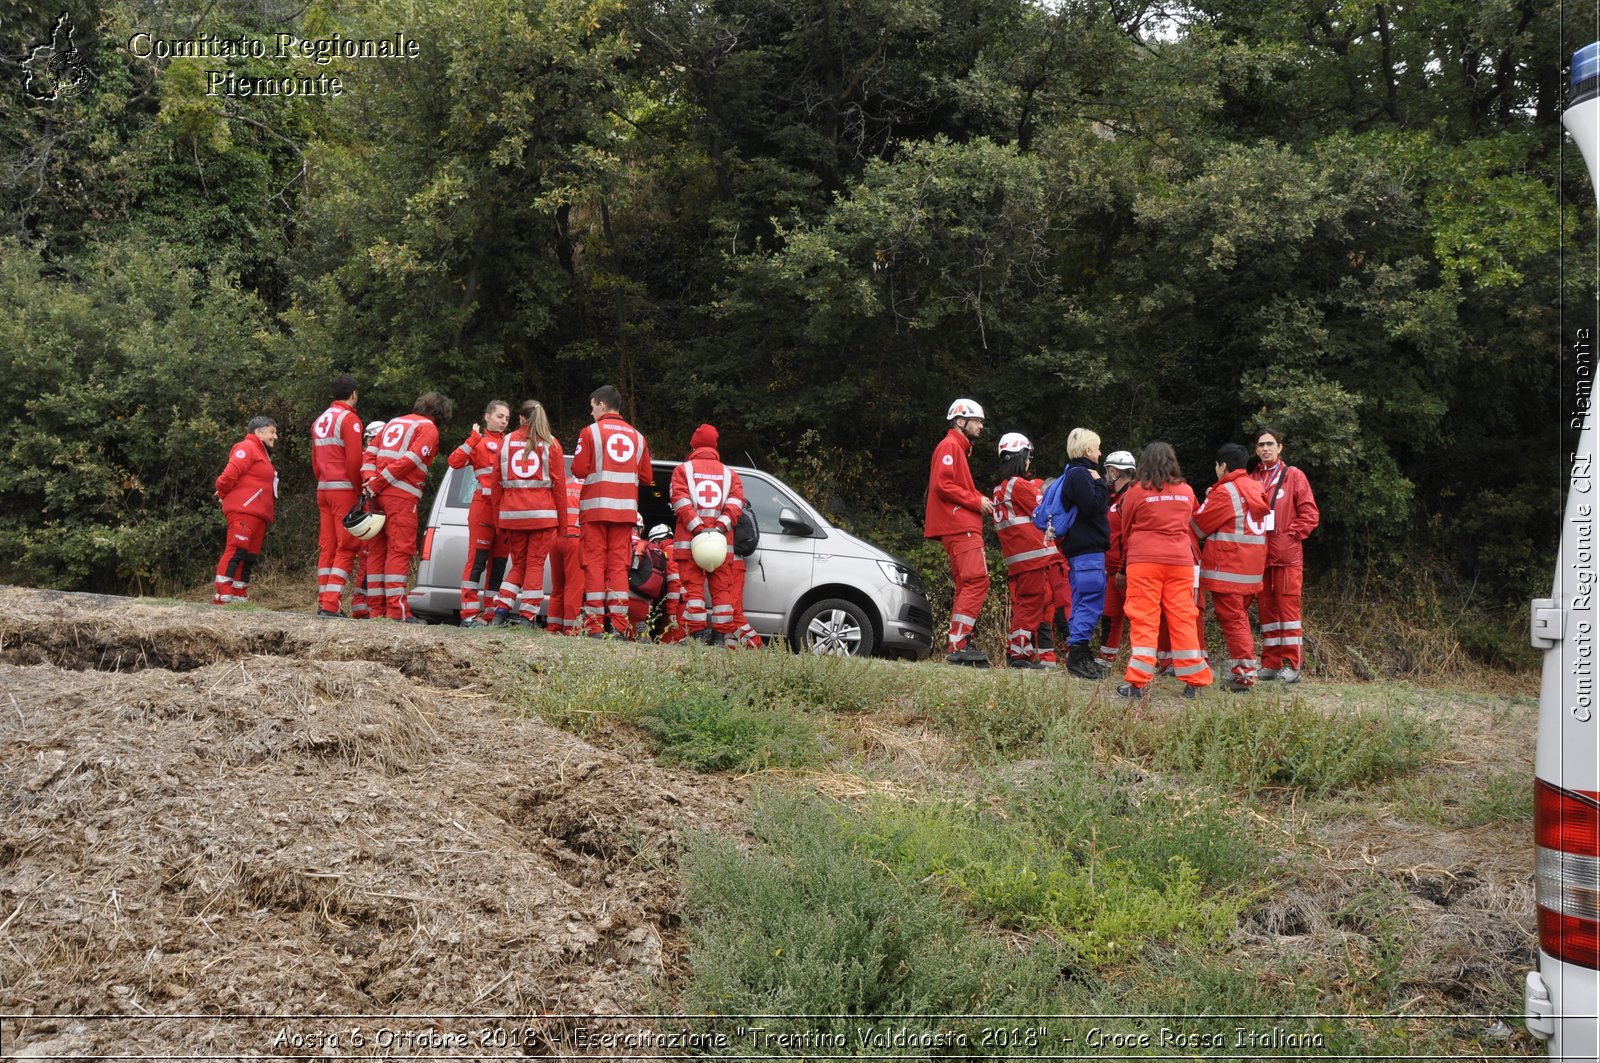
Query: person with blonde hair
(1075, 510)
(530, 495)
(1161, 568)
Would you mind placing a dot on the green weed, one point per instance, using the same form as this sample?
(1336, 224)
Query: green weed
(706, 729)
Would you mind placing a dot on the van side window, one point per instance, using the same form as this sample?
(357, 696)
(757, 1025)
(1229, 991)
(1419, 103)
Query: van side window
(767, 499)
(462, 484)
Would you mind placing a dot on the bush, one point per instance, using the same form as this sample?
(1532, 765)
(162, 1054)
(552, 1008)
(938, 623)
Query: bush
(711, 730)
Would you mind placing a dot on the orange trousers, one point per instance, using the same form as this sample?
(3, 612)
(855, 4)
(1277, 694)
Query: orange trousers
(1163, 592)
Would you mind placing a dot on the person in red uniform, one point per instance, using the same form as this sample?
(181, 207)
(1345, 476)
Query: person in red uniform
(1233, 556)
(954, 516)
(672, 601)
(564, 617)
(362, 596)
(745, 636)
(1027, 557)
(336, 462)
(406, 447)
(1119, 476)
(707, 496)
(1160, 568)
(529, 496)
(248, 491)
(613, 459)
(1293, 518)
(480, 451)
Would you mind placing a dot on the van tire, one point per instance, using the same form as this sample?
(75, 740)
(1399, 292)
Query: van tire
(835, 627)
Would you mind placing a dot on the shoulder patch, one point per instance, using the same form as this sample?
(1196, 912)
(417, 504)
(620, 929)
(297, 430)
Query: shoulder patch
(240, 453)
(426, 450)
(949, 459)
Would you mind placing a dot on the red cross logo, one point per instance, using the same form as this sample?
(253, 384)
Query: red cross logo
(709, 493)
(620, 446)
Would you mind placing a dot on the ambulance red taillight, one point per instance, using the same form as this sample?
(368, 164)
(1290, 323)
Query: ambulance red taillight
(1566, 829)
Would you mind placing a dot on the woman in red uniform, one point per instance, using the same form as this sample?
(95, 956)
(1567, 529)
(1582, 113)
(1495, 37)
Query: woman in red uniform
(1161, 568)
(248, 490)
(530, 508)
(481, 451)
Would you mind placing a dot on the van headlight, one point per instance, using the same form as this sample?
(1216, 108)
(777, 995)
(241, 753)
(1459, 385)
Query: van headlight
(901, 576)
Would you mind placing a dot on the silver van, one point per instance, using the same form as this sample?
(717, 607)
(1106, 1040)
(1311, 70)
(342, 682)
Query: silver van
(815, 585)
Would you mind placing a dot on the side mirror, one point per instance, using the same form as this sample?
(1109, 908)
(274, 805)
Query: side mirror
(793, 523)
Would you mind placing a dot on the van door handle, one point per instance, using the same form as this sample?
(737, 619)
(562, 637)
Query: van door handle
(1547, 625)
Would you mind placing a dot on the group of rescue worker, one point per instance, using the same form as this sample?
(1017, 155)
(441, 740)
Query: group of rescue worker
(1135, 548)
(525, 510)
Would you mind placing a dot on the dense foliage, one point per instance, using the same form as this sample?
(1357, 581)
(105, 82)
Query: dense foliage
(813, 222)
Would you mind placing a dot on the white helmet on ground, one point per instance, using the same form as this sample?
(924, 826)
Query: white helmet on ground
(1120, 459)
(964, 408)
(709, 549)
(1014, 443)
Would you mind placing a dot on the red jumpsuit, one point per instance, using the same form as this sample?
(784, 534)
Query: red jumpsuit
(365, 599)
(706, 496)
(336, 461)
(482, 453)
(566, 570)
(954, 516)
(248, 488)
(744, 636)
(530, 496)
(1294, 517)
(406, 447)
(613, 459)
(1027, 560)
(1159, 559)
(1232, 560)
(1111, 625)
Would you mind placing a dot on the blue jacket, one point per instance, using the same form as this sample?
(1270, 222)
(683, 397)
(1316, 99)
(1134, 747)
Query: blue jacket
(1091, 530)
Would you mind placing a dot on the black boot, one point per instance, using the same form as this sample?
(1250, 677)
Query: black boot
(1081, 662)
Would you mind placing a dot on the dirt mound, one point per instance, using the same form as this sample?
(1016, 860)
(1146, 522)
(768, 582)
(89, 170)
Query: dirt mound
(216, 822)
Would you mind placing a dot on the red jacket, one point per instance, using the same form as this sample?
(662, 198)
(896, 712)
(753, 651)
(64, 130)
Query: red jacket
(1156, 525)
(706, 495)
(1231, 523)
(530, 491)
(482, 453)
(406, 447)
(1294, 513)
(249, 484)
(612, 459)
(574, 494)
(954, 504)
(1022, 544)
(336, 448)
(1114, 518)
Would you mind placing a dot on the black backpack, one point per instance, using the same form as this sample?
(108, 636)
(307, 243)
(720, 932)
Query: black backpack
(746, 534)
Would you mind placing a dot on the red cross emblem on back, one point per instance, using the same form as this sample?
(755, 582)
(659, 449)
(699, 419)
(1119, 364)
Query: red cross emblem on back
(709, 494)
(620, 446)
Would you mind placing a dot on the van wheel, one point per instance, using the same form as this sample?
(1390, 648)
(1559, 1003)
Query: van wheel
(835, 627)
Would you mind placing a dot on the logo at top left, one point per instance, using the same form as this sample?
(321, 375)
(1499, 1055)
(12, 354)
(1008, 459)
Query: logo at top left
(56, 70)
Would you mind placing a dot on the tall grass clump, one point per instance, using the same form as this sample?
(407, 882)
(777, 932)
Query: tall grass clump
(1108, 868)
(1255, 743)
(707, 729)
(805, 924)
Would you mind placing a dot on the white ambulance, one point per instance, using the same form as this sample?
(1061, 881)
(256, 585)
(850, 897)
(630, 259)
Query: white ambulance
(1562, 998)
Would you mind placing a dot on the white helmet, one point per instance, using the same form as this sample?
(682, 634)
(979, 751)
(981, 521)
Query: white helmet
(1014, 443)
(364, 523)
(659, 532)
(964, 408)
(709, 549)
(372, 429)
(1121, 459)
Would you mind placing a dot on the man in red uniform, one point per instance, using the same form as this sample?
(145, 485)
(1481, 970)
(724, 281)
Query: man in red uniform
(480, 451)
(613, 459)
(248, 490)
(566, 570)
(1119, 474)
(336, 461)
(954, 516)
(1294, 516)
(707, 496)
(363, 599)
(1027, 558)
(1233, 556)
(406, 447)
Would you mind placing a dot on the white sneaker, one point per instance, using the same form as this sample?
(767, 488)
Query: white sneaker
(1288, 675)
(1266, 675)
